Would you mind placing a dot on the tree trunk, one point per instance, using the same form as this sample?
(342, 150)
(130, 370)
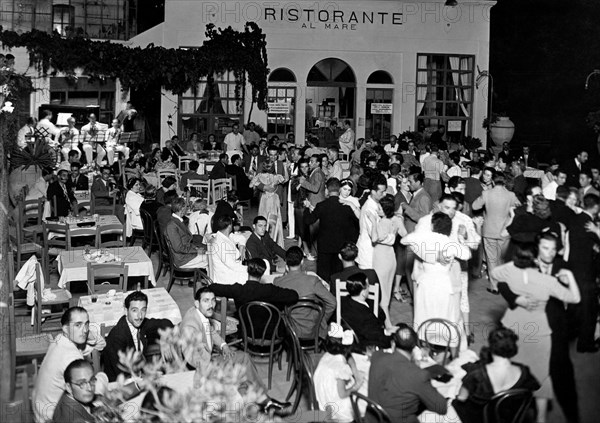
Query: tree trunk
(6, 382)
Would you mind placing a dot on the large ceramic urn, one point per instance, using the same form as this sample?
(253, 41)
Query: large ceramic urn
(502, 130)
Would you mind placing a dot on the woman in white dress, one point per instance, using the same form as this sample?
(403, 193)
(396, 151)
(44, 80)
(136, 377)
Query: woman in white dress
(336, 375)
(133, 201)
(434, 296)
(383, 236)
(269, 200)
(347, 186)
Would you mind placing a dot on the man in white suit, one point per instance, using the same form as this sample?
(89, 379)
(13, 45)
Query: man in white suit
(224, 259)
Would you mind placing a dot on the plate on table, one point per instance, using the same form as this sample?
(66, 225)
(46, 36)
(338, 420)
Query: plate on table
(96, 257)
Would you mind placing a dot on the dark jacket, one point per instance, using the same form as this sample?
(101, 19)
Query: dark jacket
(402, 388)
(368, 328)
(120, 339)
(244, 192)
(82, 183)
(70, 410)
(256, 291)
(264, 248)
(182, 242)
(218, 171)
(338, 225)
(63, 201)
(372, 277)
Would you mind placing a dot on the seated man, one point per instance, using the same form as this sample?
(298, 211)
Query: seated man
(65, 199)
(77, 181)
(132, 331)
(370, 330)
(196, 326)
(191, 175)
(226, 207)
(261, 245)
(225, 260)
(254, 290)
(400, 386)
(348, 255)
(186, 253)
(77, 402)
(309, 287)
(103, 189)
(71, 344)
(236, 169)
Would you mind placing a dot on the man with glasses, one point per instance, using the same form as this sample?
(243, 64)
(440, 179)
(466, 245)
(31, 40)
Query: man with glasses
(77, 402)
(72, 344)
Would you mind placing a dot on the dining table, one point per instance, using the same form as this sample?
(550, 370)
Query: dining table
(72, 265)
(108, 309)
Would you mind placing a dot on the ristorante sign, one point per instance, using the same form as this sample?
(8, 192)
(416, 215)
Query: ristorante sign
(331, 18)
(303, 15)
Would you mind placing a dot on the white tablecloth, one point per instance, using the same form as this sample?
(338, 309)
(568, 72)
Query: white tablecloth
(108, 310)
(73, 267)
(531, 172)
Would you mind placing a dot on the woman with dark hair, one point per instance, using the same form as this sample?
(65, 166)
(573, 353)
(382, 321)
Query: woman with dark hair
(537, 218)
(524, 279)
(383, 236)
(487, 178)
(212, 144)
(433, 296)
(133, 201)
(493, 373)
(336, 375)
(347, 186)
(325, 168)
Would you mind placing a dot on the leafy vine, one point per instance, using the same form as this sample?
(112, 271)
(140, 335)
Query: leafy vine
(177, 70)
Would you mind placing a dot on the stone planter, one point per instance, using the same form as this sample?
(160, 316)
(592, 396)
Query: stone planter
(502, 131)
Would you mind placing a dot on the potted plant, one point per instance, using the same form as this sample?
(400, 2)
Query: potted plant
(501, 128)
(472, 143)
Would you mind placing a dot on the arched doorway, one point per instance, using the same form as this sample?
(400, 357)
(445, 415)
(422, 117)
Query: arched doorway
(330, 96)
(378, 119)
(281, 117)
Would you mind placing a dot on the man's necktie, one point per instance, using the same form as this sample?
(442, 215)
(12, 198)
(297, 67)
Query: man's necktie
(254, 165)
(139, 344)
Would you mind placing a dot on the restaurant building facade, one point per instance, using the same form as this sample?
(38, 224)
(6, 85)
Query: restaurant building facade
(385, 66)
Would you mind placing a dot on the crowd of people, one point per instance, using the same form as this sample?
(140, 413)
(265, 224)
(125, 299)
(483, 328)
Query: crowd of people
(418, 221)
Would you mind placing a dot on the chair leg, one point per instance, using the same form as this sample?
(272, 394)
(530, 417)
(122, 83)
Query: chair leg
(171, 281)
(270, 376)
(132, 240)
(160, 266)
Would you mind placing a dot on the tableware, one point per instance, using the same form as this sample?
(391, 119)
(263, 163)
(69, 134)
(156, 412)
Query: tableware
(111, 293)
(94, 298)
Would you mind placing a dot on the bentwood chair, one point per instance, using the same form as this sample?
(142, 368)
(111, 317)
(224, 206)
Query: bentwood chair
(439, 336)
(373, 409)
(261, 324)
(512, 406)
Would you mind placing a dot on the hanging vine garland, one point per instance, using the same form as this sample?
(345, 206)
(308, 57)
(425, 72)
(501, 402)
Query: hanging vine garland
(242, 52)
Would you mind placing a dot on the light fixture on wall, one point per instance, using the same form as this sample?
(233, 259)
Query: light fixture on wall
(592, 73)
(451, 3)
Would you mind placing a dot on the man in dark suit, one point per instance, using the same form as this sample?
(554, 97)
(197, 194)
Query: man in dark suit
(133, 331)
(329, 138)
(103, 189)
(315, 184)
(261, 245)
(65, 199)
(251, 161)
(473, 188)
(583, 236)
(561, 366)
(505, 154)
(219, 170)
(235, 169)
(308, 287)
(560, 211)
(186, 253)
(400, 386)
(191, 175)
(77, 181)
(527, 157)
(519, 183)
(254, 290)
(150, 204)
(337, 225)
(347, 255)
(574, 167)
(421, 202)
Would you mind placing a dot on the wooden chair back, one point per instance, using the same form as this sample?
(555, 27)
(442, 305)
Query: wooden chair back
(73, 233)
(59, 241)
(106, 271)
(113, 229)
(32, 211)
(184, 163)
(307, 308)
(219, 189)
(109, 209)
(197, 187)
(163, 173)
(62, 299)
(340, 290)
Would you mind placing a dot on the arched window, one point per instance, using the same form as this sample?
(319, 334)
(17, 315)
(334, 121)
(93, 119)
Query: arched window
(380, 77)
(282, 75)
(331, 72)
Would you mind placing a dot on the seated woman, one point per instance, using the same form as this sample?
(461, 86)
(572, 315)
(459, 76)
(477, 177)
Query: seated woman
(166, 162)
(356, 312)
(211, 144)
(336, 375)
(133, 201)
(493, 373)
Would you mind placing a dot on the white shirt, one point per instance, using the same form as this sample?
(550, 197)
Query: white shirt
(389, 149)
(50, 381)
(234, 141)
(48, 127)
(135, 334)
(21, 139)
(549, 190)
(364, 243)
(225, 262)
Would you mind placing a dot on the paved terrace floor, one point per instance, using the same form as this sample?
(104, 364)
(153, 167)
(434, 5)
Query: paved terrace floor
(486, 311)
